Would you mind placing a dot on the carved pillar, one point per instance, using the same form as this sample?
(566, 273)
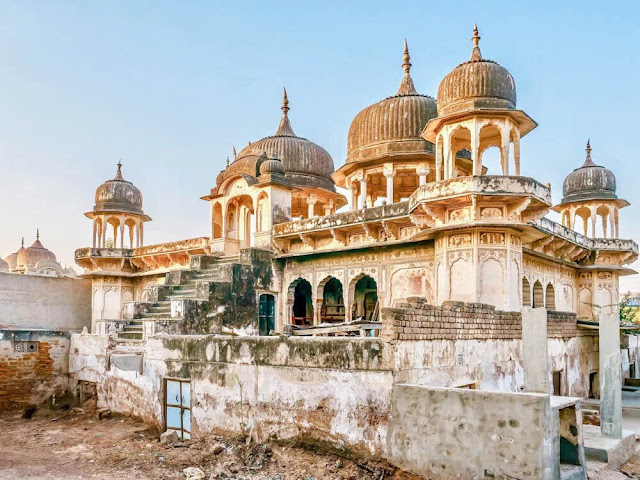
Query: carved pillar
(122, 225)
(311, 203)
(389, 175)
(438, 158)
(354, 196)
(104, 233)
(422, 172)
(504, 151)
(446, 147)
(95, 228)
(475, 150)
(141, 233)
(594, 217)
(328, 207)
(516, 153)
(363, 192)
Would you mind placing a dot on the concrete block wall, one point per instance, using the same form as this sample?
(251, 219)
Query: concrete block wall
(30, 378)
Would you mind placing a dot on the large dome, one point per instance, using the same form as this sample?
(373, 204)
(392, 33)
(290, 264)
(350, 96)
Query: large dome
(476, 84)
(12, 260)
(306, 164)
(118, 195)
(36, 253)
(4, 266)
(393, 125)
(589, 182)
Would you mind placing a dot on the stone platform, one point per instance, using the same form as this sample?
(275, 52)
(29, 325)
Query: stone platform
(613, 451)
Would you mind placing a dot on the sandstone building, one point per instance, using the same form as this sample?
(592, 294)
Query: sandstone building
(432, 255)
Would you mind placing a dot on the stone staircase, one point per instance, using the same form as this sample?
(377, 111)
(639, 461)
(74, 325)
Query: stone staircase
(192, 284)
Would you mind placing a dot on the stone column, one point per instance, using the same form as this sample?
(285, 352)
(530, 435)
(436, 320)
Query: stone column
(438, 159)
(535, 358)
(311, 203)
(363, 192)
(354, 197)
(516, 153)
(389, 175)
(475, 150)
(446, 147)
(504, 151)
(594, 218)
(610, 376)
(328, 207)
(422, 172)
(104, 233)
(95, 229)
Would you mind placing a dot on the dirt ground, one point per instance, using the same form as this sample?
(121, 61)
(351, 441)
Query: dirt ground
(72, 444)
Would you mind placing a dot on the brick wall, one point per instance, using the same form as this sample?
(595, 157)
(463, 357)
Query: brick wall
(415, 319)
(562, 324)
(32, 377)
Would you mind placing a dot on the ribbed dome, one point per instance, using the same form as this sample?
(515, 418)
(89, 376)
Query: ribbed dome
(306, 164)
(118, 195)
(589, 182)
(29, 257)
(476, 84)
(272, 166)
(394, 124)
(4, 266)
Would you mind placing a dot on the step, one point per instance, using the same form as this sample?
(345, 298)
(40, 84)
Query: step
(130, 335)
(133, 328)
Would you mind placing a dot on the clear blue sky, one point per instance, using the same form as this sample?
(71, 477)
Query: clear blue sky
(169, 87)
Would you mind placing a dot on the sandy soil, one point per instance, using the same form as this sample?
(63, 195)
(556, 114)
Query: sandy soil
(76, 445)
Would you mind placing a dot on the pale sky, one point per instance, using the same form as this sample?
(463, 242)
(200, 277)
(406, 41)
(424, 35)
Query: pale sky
(170, 87)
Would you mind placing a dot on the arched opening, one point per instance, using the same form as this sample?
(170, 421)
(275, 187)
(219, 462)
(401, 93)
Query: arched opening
(460, 140)
(601, 226)
(491, 154)
(585, 303)
(97, 234)
(332, 309)
(538, 295)
(262, 214)
(526, 293)
(217, 220)
(266, 314)
(301, 302)
(550, 297)
(365, 299)
(111, 240)
(566, 219)
(232, 220)
(581, 221)
(131, 231)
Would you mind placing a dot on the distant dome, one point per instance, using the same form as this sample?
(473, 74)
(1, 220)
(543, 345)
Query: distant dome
(36, 253)
(4, 266)
(589, 182)
(272, 166)
(393, 125)
(12, 260)
(118, 195)
(306, 164)
(476, 84)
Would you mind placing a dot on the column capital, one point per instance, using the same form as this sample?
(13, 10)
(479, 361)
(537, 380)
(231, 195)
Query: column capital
(312, 199)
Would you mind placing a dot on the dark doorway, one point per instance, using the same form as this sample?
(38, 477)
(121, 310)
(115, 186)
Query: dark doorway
(365, 299)
(266, 314)
(302, 305)
(332, 302)
(557, 376)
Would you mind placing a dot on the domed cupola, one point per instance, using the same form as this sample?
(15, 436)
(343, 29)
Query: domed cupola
(589, 193)
(118, 195)
(118, 218)
(589, 182)
(306, 163)
(36, 253)
(392, 126)
(476, 84)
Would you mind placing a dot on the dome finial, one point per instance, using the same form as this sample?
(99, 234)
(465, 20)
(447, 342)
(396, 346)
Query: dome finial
(119, 172)
(406, 86)
(22, 242)
(235, 153)
(476, 56)
(37, 234)
(227, 161)
(588, 162)
(284, 129)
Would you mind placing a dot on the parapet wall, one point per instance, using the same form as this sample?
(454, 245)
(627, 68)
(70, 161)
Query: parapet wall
(50, 303)
(415, 319)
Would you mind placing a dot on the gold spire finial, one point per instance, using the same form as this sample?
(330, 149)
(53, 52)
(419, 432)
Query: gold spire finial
(284, 129)
(227, 161)
(476, 55)
(406, 86)
(235, 154)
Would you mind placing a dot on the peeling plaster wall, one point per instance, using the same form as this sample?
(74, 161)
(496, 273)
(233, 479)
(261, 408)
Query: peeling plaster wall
(329, 389)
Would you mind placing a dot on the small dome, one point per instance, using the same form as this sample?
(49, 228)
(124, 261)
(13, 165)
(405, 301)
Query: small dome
(12, 260)
(306, 164)
(476, 84)
(118, 195)
(4, 266)
(30, 257)
(272, 166)
(589, 182)
(394, 124)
